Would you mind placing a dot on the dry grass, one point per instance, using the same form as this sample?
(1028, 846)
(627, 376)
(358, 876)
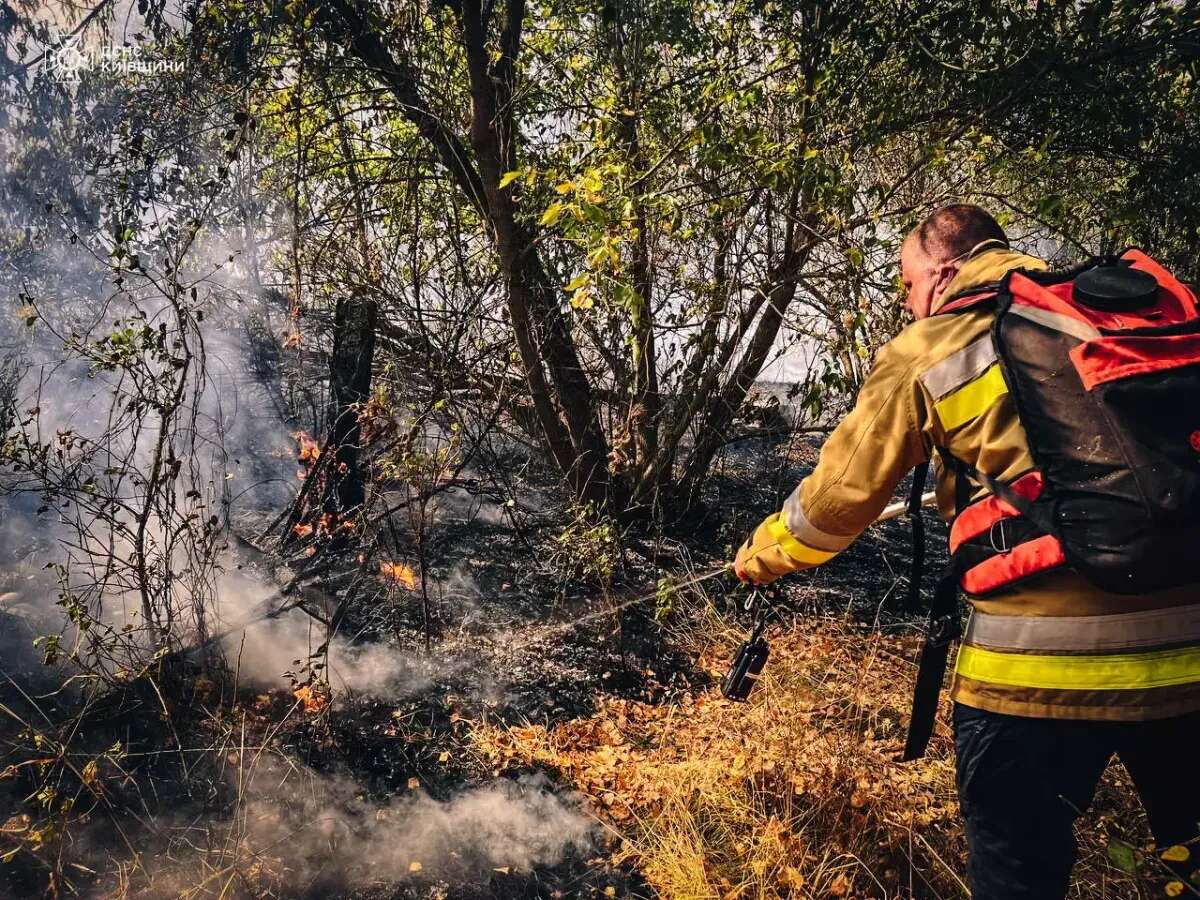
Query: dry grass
(793, 794)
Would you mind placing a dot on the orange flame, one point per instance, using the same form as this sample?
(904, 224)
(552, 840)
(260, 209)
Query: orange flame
(303, 530)
(309, 449)
(313, 698)
(292, 341)
(399, 573)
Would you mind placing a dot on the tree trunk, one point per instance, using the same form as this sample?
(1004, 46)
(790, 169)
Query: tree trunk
(562, 397)
(350, 385)
(725, 404)
(543, 336)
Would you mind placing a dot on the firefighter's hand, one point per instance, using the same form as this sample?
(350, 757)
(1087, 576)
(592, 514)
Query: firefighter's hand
(761, 560)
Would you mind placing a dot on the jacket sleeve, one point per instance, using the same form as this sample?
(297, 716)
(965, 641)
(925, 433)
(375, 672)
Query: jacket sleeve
(866, 456)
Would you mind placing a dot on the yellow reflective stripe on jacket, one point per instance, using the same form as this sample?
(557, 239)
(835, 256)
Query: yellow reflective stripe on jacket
(1115, 672)
(796, 550)
(972, 399)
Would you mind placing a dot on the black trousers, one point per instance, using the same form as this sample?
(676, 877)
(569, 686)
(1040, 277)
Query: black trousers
(1022, 782)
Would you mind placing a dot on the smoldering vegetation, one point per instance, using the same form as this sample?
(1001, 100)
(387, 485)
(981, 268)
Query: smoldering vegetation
(369, 385)
(324, 831)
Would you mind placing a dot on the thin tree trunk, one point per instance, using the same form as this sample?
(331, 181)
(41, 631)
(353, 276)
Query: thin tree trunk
(725, 405)
(350, 365)
(537, 318)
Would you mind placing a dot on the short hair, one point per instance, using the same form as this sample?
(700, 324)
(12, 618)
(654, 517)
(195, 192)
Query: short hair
(954, 231)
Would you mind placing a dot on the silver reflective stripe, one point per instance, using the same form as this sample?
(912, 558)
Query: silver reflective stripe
(1139, 630)
(806, 532)
(1057, 321)
(958, 368)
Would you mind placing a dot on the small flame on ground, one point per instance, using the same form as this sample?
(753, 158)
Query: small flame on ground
(399, 573)
(303, 530)
(309, 449)
(313, 698)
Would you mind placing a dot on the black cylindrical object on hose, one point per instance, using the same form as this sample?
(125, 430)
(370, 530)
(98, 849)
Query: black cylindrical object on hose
(744, 671)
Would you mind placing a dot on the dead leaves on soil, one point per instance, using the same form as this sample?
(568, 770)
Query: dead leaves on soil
(789, 795)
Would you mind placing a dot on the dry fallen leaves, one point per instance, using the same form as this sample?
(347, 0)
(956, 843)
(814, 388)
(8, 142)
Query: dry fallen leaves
(1176, 853)
(777, 777)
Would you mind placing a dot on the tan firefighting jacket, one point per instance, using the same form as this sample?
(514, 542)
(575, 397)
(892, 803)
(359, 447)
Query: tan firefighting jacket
(1052, 646)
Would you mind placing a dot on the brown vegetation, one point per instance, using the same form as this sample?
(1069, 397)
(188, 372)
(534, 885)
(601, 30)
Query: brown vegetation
(794, 794)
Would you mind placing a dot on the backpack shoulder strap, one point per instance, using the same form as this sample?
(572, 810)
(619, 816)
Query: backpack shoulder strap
(971, 298)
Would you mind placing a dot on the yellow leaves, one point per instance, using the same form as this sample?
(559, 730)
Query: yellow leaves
(444, 757)
(552, 214)
(608, 251)
(564, 188)
(509, 177)
(790, 877)
(1177, 853)
(1174, 888)
(580, 289)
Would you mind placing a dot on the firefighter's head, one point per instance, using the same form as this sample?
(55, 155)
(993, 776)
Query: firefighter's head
(937, 248)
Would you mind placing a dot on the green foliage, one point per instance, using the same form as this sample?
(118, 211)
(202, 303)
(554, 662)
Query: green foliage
(1123, 856)
(661, 170)
(666, 595)
(588, 547)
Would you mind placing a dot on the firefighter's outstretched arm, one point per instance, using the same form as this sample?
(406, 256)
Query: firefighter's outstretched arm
(860, 465)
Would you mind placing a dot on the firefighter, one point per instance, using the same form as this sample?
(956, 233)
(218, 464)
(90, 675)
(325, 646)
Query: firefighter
(1054, 675)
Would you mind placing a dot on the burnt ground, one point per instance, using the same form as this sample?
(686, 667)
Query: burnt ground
(516, 641)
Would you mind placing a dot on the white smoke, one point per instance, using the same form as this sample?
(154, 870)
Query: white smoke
(329, 825)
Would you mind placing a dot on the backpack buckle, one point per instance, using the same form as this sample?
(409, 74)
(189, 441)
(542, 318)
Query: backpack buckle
(997, 531)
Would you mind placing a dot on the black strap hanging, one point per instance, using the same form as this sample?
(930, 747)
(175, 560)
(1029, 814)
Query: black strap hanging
(943, 628)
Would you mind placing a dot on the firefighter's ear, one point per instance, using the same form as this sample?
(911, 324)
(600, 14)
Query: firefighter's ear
(943, 275)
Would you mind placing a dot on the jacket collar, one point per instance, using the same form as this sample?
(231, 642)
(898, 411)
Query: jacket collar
(985, 268)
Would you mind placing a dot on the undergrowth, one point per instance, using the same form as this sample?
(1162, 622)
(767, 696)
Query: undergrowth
(796, 793)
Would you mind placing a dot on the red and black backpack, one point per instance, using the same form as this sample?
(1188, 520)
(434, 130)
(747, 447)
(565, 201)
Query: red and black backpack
(1102, 364)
